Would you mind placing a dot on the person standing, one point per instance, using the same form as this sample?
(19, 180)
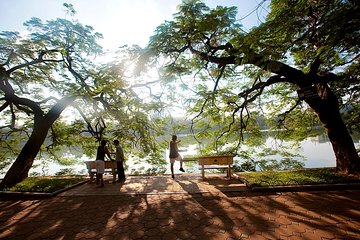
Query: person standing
(102, 150)
(119, 157)
(174, 155)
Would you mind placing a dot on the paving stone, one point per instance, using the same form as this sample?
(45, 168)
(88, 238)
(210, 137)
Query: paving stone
(151, 211)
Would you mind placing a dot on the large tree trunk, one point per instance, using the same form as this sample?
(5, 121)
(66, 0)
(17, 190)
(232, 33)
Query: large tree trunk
(327, 109)
(20, 168)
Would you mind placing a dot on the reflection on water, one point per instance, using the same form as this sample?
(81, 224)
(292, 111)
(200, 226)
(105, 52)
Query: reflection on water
(317, 152)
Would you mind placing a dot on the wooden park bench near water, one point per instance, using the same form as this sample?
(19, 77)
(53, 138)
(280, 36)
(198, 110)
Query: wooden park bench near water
(214, 162)
(110, 166)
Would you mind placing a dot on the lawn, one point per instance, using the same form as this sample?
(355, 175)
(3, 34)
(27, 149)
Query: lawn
(255, 179)
(297, 177)
(45, 184)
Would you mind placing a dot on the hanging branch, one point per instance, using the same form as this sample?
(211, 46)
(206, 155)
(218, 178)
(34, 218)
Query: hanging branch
(205, 102)
(281, 121)
(53, 136)
(90, 129)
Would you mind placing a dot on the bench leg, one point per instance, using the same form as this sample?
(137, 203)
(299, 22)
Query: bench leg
(229, 172)
(202, 171)
(91, 176)
(114, 175)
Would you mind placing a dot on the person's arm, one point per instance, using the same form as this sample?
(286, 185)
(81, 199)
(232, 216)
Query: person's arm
(108, 153)
(121, 154)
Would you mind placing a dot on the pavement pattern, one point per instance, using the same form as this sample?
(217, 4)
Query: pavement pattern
(185, 208)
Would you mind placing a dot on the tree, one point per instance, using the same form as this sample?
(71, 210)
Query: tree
(50, 69)
(306, 51)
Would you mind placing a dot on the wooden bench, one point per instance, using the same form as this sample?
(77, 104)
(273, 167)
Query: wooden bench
(110, 166)
(216, 162)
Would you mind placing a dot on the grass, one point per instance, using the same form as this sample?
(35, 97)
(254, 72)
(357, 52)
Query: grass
(45, 184)
(255, 179)
(297, 177)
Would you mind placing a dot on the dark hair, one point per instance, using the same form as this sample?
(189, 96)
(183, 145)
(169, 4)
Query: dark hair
(103, 142)
(116, 141)
(174, 137)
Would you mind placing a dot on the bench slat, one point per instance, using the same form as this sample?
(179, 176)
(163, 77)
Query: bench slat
(215, 167)
(110, 166)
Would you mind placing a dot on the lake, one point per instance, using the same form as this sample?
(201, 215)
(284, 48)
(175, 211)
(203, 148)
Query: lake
(317, 152)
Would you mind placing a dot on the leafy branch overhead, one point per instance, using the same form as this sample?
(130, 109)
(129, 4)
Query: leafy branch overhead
(53, 68)
(299, 61)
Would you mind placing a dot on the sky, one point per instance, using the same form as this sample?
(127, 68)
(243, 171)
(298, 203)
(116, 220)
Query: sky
(120, 21)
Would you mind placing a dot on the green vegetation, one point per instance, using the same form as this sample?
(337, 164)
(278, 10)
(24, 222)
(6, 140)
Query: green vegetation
(45, 184)
(236, 85)
(53, 68)
(297, 177)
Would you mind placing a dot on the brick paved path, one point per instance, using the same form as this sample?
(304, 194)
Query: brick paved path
(206, 215)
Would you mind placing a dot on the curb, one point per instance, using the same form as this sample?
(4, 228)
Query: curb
(302, 188)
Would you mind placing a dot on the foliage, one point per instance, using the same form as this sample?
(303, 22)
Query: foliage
(155, 170)
(297, 177)
(56, 66)
(65, 172)
(236, 77)
(44, 184)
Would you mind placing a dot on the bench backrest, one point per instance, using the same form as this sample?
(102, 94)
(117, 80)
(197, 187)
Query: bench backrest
(216, 160)
(108, 164)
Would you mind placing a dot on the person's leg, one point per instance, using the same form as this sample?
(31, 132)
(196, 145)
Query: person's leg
(101, 180)
(98, 171)
(172, 170)
(121, 171)
(118, 170)
(181, 165)
(97, 179)
(100, 165)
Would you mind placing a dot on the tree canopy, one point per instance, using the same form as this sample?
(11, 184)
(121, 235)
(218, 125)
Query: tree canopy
(298, 66)
(54, 67)
(297, 70)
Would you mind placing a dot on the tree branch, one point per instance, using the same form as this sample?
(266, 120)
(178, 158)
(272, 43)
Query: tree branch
(261, 85)
(18, 102)
(36, 61)
(291, 74)
(48, 99)
(298, 101)
(314, 67)
(58, 108)
(213, 59)
(144, 84)
(93, 131)
(4, 106)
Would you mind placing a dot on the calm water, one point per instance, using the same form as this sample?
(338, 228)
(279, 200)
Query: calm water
(317, 152)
